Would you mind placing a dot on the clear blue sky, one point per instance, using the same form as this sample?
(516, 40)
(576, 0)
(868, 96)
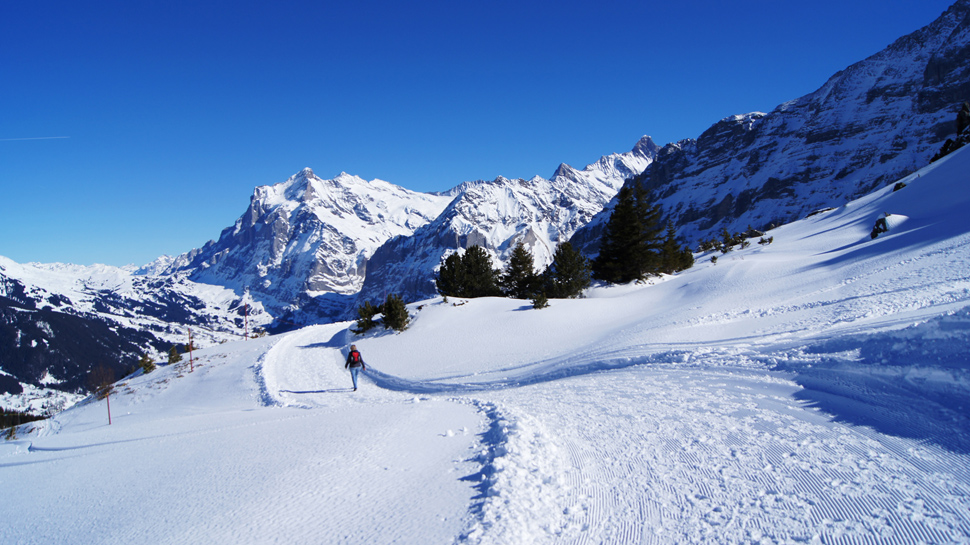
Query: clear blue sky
(171, 112)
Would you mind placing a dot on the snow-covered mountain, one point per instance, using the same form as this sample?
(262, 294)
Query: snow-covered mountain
(299, 254)
(869, 125)
(307, 237)
(498, 214)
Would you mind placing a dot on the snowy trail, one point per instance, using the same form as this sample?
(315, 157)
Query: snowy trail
(198, 457)
(663, 454)
(306, 370)
(659, 455)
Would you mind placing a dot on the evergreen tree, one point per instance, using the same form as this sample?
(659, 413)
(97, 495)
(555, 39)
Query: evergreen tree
(146, 364)
(540, 301)
(395, 313)
(568, 274)
(686, 259)
(481, 280)
(520, 280)
(629, 249)
(365, 317)
(612, 263)
(648, 242)
(468, 275)
(450, 279)
(674, 257)
(173, 355)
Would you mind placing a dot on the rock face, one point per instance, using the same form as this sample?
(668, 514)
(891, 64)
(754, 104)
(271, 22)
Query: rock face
(870, 124)
(498, 214)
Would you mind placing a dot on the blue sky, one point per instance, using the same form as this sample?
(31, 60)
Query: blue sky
(168, 114)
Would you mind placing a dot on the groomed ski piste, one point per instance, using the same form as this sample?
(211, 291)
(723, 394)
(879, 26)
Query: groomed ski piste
(813, 390)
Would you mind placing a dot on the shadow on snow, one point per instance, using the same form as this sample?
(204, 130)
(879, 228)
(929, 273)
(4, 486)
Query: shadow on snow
(908, 383)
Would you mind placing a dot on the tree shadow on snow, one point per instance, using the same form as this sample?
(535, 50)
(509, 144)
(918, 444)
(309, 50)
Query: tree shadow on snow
(328, 391)
(873, 402)
(336, 341)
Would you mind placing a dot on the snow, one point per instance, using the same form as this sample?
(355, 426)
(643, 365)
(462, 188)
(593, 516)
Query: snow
(814, 390)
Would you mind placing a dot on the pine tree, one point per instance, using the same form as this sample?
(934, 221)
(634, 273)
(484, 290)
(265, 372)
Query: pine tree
(468, 275)
(395, 313)
(674, 257)
(612, 265)
(520, 280)
(365, 317)
(481, 280)
(146, 364)
(173, 355)
(568, 274)
(649, 242)
(686, 259)
(450, 279)
(629, 249)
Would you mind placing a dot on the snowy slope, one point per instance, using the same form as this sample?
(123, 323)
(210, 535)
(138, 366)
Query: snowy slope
(128, 298)
(814, 390)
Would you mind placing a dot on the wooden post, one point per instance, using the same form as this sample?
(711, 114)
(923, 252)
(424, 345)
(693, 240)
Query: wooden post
(107, 398)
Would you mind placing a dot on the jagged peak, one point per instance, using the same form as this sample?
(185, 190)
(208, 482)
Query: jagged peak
(563, 171)
(646, 146)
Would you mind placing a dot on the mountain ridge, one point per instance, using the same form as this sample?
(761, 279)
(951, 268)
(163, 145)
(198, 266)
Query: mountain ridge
(867, 125)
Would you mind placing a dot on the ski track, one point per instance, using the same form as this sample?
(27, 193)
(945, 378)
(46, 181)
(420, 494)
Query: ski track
(656, 454)
(728, 474)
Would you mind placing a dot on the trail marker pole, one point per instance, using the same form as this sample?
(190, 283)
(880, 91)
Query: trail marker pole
(107, 398)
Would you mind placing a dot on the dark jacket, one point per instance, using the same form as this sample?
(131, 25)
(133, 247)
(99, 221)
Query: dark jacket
(355, 362)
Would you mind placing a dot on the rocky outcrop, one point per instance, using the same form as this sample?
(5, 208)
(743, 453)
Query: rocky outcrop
(962, 137)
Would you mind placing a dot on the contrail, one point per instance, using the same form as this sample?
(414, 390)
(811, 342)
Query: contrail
(34, 138)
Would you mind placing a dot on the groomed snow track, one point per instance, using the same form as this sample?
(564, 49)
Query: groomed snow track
(661, 454)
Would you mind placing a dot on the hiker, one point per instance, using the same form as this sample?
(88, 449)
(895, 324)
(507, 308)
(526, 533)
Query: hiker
(354, 363)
